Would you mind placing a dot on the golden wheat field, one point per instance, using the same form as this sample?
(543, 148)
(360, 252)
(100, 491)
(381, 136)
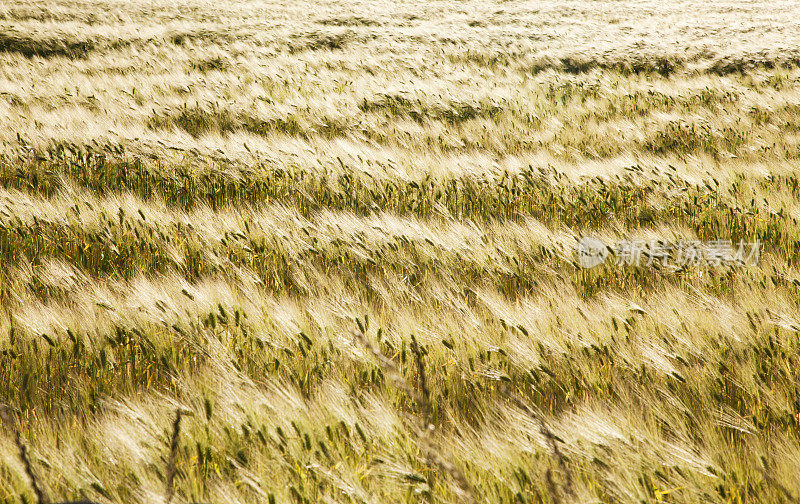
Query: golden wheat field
(341, 238)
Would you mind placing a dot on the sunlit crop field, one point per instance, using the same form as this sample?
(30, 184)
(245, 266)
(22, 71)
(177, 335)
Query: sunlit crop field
(341, 236)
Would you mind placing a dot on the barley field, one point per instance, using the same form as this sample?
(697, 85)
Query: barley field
(340, 236)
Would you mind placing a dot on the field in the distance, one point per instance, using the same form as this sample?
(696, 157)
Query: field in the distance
(276, 215)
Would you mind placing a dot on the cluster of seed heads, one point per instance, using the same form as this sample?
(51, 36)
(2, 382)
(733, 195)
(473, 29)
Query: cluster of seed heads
(7, 416)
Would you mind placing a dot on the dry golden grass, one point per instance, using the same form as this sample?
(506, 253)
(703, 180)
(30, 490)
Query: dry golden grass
(343, 235)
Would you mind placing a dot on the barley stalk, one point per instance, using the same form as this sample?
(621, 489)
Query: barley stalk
(422, 426)
(8, 418)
